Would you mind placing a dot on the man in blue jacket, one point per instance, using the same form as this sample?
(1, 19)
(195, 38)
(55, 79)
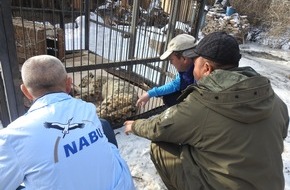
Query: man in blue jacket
(172, 90)
(59, 143)
(227, 133)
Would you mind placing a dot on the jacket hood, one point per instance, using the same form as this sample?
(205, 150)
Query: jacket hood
(240, 94)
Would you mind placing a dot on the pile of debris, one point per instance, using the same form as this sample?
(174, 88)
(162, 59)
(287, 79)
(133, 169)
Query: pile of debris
(235, 24)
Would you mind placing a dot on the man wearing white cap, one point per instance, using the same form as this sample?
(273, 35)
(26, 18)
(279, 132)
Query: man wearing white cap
(228, 131)
(184, 66)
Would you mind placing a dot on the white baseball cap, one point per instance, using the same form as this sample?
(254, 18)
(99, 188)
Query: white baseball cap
(180, 42)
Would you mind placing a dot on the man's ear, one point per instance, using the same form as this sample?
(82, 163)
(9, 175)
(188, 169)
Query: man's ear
(26, 92)
(207, 68)
(68, 84)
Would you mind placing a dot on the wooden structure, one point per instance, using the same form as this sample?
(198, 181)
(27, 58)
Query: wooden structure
(36, 39)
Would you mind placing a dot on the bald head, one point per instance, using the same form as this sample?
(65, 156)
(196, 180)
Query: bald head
(43, 74)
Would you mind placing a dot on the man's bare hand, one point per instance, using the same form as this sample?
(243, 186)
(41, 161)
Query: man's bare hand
(143, 100)
(128, 126)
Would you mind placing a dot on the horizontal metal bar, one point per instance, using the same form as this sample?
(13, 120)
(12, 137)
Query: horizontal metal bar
(110, 65)
(144, 115)
(133, 78)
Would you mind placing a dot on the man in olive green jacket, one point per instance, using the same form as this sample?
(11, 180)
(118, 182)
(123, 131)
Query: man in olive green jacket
(227, 133)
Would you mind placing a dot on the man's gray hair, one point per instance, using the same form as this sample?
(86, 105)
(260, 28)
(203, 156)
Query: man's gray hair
(43, 72)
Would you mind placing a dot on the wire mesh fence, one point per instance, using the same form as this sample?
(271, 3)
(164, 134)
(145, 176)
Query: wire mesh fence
(110, 49)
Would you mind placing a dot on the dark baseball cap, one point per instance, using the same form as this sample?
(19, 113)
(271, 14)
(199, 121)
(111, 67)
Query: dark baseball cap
(219, 47)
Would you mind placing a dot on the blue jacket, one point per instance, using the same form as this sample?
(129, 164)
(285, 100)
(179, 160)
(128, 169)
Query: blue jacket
(181, 81)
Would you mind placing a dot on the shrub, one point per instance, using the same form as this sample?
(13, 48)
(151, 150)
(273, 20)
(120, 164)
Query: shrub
(254, 9)
(277, 18)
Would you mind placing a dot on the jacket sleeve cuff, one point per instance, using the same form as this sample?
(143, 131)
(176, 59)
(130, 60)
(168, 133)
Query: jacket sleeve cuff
(152, 92)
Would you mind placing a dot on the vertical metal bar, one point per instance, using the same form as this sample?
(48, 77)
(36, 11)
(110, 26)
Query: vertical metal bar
(193, 15)
(9, 64)
(135, 13)
(4, 115)
(199, 17)
(199, 6)
(172, 21)
(61, 14)
(23, 31)
(87, 24)
(171, 30)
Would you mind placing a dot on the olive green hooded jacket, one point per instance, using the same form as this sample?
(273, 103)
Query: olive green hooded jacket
(231, 127)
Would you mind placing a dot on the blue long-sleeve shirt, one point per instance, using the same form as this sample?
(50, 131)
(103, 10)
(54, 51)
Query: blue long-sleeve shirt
(181, 81)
